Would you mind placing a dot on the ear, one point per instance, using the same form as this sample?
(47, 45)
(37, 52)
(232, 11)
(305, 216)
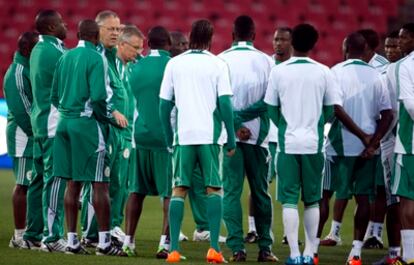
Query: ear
(254, 36)
(51, 28)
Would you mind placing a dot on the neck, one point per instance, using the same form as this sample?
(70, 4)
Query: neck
(239, 39)
(124, 62)
(282, 58)
(355, 56)
(300, 54)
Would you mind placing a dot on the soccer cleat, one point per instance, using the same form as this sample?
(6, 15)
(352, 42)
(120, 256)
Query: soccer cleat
(129, 250)
(162, 253)
(80, 250)
(386, 261)
(16, 242)
(205, 236)
(355, 260)
(373, 242)
(174, 257)
(399, 261)
(56, 246)
(239, 256)
(294, 261)
(266, 256)
(308, 260)
(251, 237)
(29, 244)
(331, 241)
(183, 237)
(111, 250)
(89, 242)
(315, 259)
(118, 233)
(215, 257)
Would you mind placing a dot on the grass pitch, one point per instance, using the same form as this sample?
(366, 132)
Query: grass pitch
(148, 235)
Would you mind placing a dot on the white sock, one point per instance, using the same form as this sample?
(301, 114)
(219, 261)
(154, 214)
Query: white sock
(336, 229)
(311, 222)
(291, 226)
(356, 249)
(370, 230)
(104, 239)
(317, 242)
(73, 241)
(377, 229)
(127, 241)
(394, 252)
(407, 238)
(252, 224)
(18, 233)
(162, 240)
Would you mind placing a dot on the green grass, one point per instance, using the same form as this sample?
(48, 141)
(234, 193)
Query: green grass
(148, 235)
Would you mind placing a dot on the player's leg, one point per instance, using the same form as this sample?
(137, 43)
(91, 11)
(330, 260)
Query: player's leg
(328, 190)
(89, 226)
(233, 179)
(255, 158)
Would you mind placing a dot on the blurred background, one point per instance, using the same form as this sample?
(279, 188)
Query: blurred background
(333, 18)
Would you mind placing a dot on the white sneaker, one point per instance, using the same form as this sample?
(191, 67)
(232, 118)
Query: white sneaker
(118, 233)
(57, 246)
(16, 242)
(205, 236)
(183, 237)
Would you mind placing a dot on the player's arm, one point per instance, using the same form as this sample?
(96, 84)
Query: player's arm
(54, 93)
(18, 103)
(347, 121)
(166, 107)
(226, 112)
(252, 112)
(98, 87)
(272, 99)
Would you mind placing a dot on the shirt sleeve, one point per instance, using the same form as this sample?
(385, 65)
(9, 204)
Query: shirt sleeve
(223, 82)
(405, 83)
(167, 85)
(272, 96)
(333, 92)
(97, 80)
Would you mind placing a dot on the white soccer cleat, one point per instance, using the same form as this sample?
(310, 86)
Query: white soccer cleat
(183, 237)
(205, 236)
(118, 234)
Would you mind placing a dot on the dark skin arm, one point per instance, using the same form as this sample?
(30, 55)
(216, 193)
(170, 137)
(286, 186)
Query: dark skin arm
(382, 128)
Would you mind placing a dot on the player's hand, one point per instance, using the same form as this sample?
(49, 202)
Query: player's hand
(368, 152)
(243, 134)
(120, 119)
(231, 152)
(366, 140)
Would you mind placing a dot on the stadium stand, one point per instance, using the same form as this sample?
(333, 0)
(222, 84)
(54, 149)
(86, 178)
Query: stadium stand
(333, 18)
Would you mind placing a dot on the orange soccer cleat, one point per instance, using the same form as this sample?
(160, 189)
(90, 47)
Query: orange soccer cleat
(215, 257)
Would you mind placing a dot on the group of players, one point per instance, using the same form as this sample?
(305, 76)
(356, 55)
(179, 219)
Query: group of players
(101, 127)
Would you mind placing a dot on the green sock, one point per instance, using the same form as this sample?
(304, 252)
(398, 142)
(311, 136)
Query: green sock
(175, 214)
(215, 214)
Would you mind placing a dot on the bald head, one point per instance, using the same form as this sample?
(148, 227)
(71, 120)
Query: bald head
(49, 22)
(88, 30)
(26, 42)
(354, 46)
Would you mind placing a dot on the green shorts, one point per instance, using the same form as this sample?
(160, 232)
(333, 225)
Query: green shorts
(80, 154)
(210, 159)
(379, 174)
(22, 169)
(299, 175)
(403, 176)
(153, 173)
(354, 176)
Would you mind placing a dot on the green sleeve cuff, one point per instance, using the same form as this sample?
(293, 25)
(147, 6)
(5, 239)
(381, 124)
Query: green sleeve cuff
(226, 112)
(166, 107)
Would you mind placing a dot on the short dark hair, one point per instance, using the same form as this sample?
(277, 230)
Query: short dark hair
(304, 37)
(355, 44)
(159, 37)
(243, 27)
(408, 27)
(372, 38)
(285, 29)
(201, 34)
(88, 29)
(44, 19)
(393, 34)
(26, 41)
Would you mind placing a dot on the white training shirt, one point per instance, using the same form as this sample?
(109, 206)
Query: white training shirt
(194, 80)
(380, 63)
(363, 96)
(404, 142)
(249, 74)
(301, 87)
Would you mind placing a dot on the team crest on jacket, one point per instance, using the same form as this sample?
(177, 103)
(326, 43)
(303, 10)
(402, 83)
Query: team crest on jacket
(29, 175)
(107, 172)
(126, 153)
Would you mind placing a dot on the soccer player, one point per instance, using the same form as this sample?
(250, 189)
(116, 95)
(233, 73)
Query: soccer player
(249, 72)
(110, 30)
(198, 84)
(304, 85)
(152, 159)
(282, 44)
(402, 179)
(355, 134)
(371, 56)
(385, 202)
(18, 93)
(179, 43)
(45, 192)
(80, 90)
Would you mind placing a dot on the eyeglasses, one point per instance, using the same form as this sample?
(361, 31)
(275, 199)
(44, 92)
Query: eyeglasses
(139, 49)
(113, 29)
